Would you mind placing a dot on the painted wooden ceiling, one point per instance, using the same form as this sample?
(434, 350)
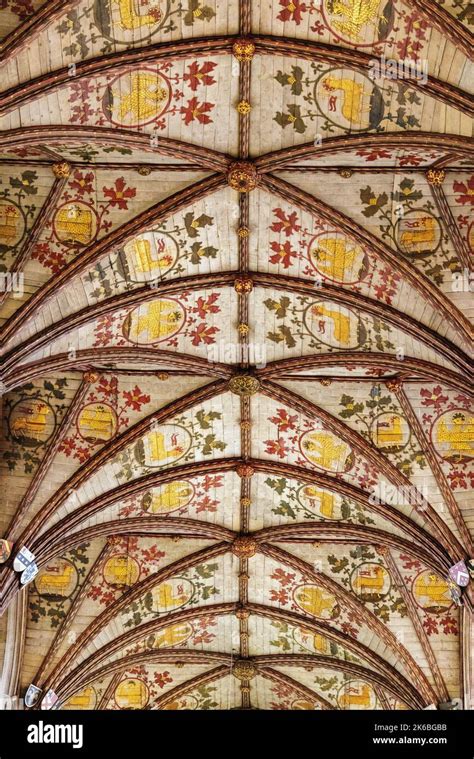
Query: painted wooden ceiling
(237, 431)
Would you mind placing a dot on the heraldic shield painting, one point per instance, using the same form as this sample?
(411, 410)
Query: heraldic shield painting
(237, 451)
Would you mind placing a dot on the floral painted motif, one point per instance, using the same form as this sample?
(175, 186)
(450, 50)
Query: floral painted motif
(330, 255)
(17, 212)
(32, 414)
(83, 27)
(164, 321)
(21, 8)
(290, 639)
(380, 421)
(191, 588)
(130, 561)
(145, 96)
(56, 586)
(79, 219)
(364, 573)
(179, 498)
(341, 103)
(103, 414)
(414, 229)
(448, 422)
(151, 256)
(179, 635)
(178, 440)
(286, 697)
(309, 502)
(465, 190)
(432, 597)
(326, 326)
(202, 698)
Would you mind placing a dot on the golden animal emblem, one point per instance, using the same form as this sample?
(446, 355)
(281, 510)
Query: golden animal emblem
(172, 636)
(432, 592)
(418, 235)
(454, 436)
(370, 580)
(138, 97)
(315, 601)
(147, 258)
(57, 579)
(131, 694)
(159, 451)
(85, 699)
(333, 325)
(389, 431)
(320, 501)
(155, 321)
(121, 571)
(132, 17)
(325, 450)
(353, 106)
(356, 695)
(303, 704)
(338, 259)
(97, 422)
(75, 224)
(31, 420)
(172, 594)
(9, 223)
(353, 15)
(171, 497)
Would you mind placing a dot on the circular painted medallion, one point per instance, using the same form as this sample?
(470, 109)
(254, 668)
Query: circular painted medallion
(349, 100)
(129, 21)
(172, 594)
(97, 422)
(326, 451)
(136, 98)
(431, 592)
(75, 223)
(390, 432)
(85, 699)
(31, 422)
(131, 693)
(163, 445)
(312, 642)
(58, 580)
(154, 322)
(12, 224)
(337, 258)
(175, 635)
(356, 694)
(418, 233)
(316, 601)
(322, 503)
(170, 497)
(452, 435)
(334, 325)
(121, 571)
(148, 257)
(362, 25)
(370, 581)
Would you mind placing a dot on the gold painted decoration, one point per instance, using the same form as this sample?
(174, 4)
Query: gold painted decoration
(136, 98)
(326, 451)
(166, 444)
(242, 176)
(303, 704)
(121, 571)
(154, 322)
(244, 669)
(243, 286)
(390, 432)
(320, 502)
(173, 636)
(337, 258)
(349, 99)
(129, 21)
(97, 422)
(172, 594)
(334, 325)
(57, 580)
(84, 699)
(370, 581)
(362, 23)
(244, 385)
(357, 694)
(418, 233)
(61, 170)
(187, 702)
(75, 223)
(316, 601)
(31, 422)
(12, 223)
(435, 177)
(149, 256)
(170, 497)
(244, 547)
(431, 592)
(243, 50)
(452, 435)
(313, 642)
(131, 693)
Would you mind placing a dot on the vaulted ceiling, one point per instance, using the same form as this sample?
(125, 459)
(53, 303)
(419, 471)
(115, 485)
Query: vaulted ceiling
(236, 334)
